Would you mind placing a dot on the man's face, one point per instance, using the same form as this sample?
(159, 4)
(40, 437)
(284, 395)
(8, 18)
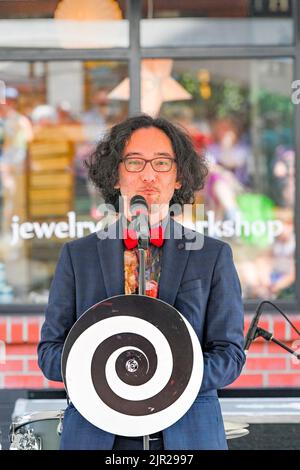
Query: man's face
(156, 187)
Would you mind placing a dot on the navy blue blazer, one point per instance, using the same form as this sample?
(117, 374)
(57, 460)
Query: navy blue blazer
(201, 283)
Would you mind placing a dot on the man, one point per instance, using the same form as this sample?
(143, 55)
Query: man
(157, 160)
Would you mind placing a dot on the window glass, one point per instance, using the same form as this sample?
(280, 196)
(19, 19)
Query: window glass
(215, 8)
(240, 115)
(53, 115)
(216, 23)
(66, 24)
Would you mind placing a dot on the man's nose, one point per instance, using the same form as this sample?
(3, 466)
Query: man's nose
(148, 174)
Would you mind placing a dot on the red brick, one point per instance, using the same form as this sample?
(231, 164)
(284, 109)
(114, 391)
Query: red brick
(33, 365)
(247, 380)
(279, 329)
(52, 384)
(257, 347)
(265, 363)
(264, 323)
(295, 363)
(33, 332)
(3, 331)
(293, 334)
(295, 345)
(260, 339)
(10, 366)
(24, 349)
(24, 381)
(284, 380)
(247, 322)
(273, 348)
(16, 332)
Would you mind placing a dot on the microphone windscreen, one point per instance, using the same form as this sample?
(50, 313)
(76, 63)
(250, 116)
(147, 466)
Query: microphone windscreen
(138, 205)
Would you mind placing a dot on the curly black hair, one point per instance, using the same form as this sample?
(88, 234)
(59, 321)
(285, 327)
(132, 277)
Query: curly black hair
(103, 162)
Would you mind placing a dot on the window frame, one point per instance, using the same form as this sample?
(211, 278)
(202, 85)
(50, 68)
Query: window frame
(133, 56)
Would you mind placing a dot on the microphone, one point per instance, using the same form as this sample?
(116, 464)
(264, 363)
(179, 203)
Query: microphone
(138, 204)
(140, 216)
(253, 327)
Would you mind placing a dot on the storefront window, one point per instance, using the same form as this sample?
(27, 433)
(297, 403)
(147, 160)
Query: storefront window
(53, 115)
(240, 115)
(67, 24)
(216, 23)
(216, 8)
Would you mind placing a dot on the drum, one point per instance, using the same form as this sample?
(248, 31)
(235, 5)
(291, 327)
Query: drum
(41, 430)
(36, 431)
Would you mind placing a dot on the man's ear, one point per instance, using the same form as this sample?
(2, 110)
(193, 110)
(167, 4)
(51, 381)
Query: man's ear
(178, 185)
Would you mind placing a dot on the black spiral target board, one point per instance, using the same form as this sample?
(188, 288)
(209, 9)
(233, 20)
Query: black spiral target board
(132, 365)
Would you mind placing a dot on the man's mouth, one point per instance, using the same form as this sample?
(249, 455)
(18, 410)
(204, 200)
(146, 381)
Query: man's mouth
(149, 190)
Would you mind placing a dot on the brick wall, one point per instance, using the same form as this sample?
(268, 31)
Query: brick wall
(20, 370)
(267, 364)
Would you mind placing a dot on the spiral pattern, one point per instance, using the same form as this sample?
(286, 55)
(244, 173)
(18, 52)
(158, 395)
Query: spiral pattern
(132, 365)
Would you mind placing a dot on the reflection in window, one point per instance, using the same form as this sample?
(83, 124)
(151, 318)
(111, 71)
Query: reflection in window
(216, 23)
(63, 24)
(216, 8)
(241, 117)
(53, 116)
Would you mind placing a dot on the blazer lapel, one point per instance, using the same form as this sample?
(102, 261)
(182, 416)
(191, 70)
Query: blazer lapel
(174, 260)
(111, 254)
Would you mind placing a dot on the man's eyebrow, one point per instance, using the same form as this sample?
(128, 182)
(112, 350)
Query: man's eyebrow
(158, 154)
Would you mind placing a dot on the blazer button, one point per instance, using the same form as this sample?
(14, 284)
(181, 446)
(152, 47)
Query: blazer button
(180, 246)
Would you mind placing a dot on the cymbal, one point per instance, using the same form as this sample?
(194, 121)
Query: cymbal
(231, 426)
(132, 365)
(237, 433)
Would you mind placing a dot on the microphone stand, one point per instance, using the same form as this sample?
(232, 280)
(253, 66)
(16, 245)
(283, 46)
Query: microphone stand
(143, 244)
(260, 332)
(142, 228)
(255, 331)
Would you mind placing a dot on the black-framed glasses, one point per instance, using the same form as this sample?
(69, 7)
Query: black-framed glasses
(160, 164)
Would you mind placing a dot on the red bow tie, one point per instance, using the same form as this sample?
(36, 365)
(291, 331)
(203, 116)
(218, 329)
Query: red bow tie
(131, 239)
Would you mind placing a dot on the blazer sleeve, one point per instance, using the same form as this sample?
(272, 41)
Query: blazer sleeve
(224, 326)
(59, 318)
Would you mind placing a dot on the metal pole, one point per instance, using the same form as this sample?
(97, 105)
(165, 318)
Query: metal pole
(134, 15)
(142, 291)
(142, 281)
(146, 443)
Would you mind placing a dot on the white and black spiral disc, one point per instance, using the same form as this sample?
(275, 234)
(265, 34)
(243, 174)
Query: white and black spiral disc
(132, 365)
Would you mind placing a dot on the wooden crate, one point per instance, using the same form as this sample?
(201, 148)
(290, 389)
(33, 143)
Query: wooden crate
(50, 187)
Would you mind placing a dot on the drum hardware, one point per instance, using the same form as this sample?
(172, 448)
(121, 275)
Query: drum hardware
(60, 423)
(25, 440)
(234, 430)
(238, 433)
(36, 431)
